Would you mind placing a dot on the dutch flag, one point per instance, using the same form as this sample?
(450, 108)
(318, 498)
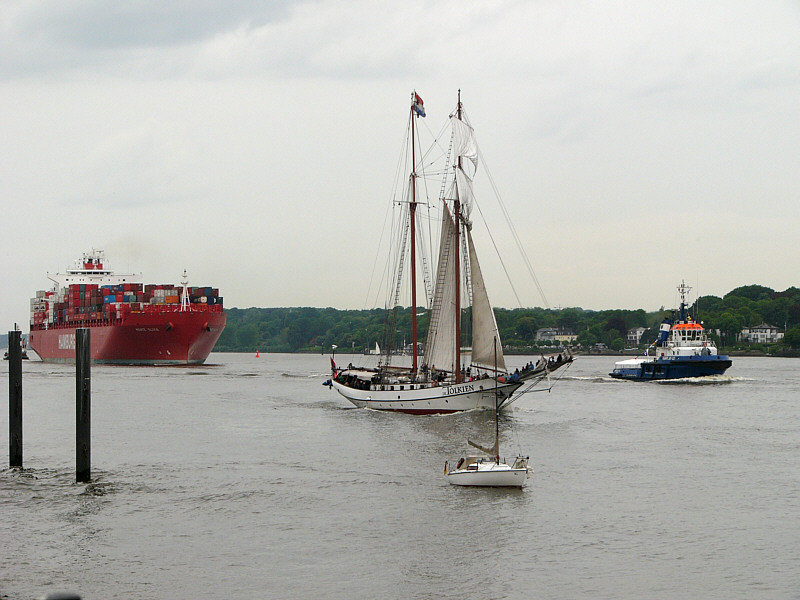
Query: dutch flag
(418, 105)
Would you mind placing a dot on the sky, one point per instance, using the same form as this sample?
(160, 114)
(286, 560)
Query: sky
(255, 143)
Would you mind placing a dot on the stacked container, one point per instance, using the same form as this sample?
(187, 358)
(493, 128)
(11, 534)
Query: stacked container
(81, 304)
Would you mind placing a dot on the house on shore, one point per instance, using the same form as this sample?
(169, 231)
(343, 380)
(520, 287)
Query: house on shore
(558, 335)
(760, 334)
(634, 336)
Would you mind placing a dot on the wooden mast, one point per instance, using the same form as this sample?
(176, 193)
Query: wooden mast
(457, 218)
(413, 208)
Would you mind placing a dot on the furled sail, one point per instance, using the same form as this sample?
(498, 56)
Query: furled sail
(440, 343)
(486, 345)
(464, 144)
(493, 451)
(465, 194)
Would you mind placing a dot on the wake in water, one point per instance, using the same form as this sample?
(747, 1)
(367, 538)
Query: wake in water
(708, 380)
(305, 375)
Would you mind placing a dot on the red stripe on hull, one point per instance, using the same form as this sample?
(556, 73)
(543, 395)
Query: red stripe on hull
(420, 411)
(172, 338)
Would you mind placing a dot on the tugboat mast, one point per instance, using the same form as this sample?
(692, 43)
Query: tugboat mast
(683, 289)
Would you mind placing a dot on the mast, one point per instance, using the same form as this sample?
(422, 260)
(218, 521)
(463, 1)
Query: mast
(683, 289)
(457, 217)
(413, 208)
(185, 293)
(496, 421)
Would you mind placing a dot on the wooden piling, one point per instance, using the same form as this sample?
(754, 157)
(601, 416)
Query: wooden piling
(83, 405)
(14, 399)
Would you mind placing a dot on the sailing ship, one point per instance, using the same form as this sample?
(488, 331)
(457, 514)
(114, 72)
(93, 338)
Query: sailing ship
(439, 380)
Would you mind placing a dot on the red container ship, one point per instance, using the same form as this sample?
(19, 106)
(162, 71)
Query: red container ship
(131, 323)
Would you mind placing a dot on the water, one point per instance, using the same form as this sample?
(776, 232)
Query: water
(246, 478)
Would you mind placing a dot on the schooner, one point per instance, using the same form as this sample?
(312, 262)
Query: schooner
(439, 380)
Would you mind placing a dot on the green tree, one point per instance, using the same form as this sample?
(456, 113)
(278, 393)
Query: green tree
(792, 338)
(648, 337)
(752, 292)
(730, 325)
(248, 336)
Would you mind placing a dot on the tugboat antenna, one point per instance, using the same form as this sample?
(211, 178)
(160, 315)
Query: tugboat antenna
(683, 289)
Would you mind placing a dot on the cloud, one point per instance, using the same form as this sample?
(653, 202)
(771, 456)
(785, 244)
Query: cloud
(255, 143)
(77, 34)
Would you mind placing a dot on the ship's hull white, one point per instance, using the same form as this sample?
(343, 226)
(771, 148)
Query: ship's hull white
(477, 394)
(493, 478)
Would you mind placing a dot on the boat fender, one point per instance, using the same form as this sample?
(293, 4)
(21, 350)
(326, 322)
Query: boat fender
(206, 327)
(460, 463)
(169, 325)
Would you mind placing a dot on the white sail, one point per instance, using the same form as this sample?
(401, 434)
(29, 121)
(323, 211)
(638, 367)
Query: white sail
(465, 194)
(464, 144)
(485, 336)
(440, 344)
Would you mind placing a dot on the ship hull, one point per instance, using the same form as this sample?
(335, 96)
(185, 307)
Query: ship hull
(681, 367)
(496, 477)
(423, 400)
(169, 338)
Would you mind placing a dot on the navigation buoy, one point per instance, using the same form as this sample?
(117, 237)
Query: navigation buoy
(257, 354)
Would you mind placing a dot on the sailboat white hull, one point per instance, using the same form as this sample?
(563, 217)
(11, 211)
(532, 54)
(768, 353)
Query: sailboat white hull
(489, 476)
(477, 394)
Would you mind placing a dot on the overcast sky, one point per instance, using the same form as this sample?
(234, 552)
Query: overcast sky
(254, 143)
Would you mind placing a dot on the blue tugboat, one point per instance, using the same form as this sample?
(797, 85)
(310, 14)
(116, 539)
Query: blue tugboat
(683, 349)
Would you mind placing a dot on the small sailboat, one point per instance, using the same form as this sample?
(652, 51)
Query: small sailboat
(444, 381)
(487, 470)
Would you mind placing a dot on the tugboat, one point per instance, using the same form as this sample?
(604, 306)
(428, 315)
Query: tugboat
(682, 350)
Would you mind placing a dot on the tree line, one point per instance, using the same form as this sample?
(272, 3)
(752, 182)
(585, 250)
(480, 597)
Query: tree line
(306, 329)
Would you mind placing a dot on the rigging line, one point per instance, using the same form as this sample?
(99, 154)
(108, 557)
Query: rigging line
(497, 251)
(395, 186)
(378, 253)
(511, 227)
(516, 434)
(436, 141)
(510, 223)
(528, 389)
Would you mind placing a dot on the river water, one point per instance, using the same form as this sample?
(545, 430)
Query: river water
(246, 478)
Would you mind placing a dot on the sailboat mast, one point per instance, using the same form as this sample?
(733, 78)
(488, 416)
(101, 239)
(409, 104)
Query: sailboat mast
(413, 208)
(457, 217)
(496, 420)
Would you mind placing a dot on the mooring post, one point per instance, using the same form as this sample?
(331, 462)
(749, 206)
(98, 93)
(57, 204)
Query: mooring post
(83, 406)
(14, 399)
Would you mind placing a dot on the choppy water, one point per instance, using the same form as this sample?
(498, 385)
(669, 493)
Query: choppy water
(246, 478)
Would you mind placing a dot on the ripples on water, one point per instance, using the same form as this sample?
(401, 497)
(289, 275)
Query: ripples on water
(247, 478)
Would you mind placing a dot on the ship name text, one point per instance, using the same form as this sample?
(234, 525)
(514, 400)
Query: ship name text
(66, 341)
(459, 389)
